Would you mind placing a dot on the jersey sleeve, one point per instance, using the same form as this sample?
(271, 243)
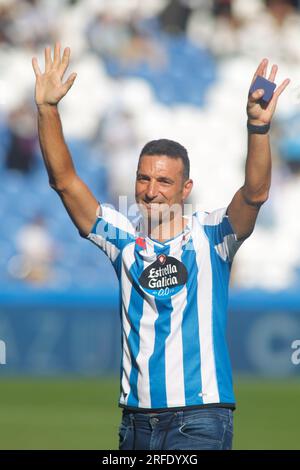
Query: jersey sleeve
(221, 233)
(112, 232)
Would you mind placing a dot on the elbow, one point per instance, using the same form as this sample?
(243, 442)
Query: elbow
(259, 200)
(61, 187)
(57, 188)
(255, 198)
(53, 186)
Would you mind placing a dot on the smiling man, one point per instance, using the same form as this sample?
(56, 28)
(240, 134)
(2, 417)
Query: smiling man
(176, 385)
(162, 186)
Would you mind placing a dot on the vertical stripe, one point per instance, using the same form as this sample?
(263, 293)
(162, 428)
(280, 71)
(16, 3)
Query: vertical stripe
(135, 312)
(157, 366)
(147, 339)
(122, 348)
(175, 389)
(210, 391)
(147, 344)
(220, 282)
(190, 331)
(126, 287)
(221, 272)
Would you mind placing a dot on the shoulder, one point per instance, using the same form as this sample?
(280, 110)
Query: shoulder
(117, 219)
(214, 217)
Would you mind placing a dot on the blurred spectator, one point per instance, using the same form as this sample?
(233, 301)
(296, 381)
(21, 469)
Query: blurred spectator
(118, 141)
(174, 17)
(108, 35)
(28, 23)
(22, 139)
(222, 8)
(36, 252)
(271, 28)
(124, 41)
(7, 13)
(217, 29)
(142, 49)
(281, 9)
(275, 31)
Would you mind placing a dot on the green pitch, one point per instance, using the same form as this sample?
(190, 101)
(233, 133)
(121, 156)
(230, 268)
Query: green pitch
(83, 414)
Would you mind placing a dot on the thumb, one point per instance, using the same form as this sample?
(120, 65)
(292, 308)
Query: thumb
(69, 82)
(256, 95)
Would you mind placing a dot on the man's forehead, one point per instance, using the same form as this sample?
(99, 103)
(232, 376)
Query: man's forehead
(159, 163)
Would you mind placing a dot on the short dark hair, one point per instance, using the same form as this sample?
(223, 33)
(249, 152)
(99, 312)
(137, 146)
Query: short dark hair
(171, 149)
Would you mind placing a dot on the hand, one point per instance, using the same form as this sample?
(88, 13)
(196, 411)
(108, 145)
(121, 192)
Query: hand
(49, 88)
(260, 113)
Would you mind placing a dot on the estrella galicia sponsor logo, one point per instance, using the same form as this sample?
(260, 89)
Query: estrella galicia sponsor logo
(165, 277)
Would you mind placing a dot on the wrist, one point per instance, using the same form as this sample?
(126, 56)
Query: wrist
(256, 122)
(46, 108)
(256, 127)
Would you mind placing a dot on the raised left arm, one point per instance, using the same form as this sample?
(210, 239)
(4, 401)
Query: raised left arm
(245, 205)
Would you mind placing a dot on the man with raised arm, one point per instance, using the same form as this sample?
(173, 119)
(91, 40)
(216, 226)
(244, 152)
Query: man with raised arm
(176, 386)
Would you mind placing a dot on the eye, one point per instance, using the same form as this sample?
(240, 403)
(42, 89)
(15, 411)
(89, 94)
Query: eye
(142, 178)
(165, 182)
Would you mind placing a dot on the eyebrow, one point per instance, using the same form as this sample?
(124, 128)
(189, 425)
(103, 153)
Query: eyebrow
(160, 178)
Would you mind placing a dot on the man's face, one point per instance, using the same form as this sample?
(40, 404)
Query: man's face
(160, 185)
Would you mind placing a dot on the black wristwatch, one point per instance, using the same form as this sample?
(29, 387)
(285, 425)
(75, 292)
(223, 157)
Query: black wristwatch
(252, 129)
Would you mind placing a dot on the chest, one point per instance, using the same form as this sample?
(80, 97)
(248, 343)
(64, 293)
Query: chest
(163, 271)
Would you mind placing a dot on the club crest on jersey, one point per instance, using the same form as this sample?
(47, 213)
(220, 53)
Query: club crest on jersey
(162, 259)
(164, 278)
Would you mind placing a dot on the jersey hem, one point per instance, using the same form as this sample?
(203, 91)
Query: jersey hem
(232, 406)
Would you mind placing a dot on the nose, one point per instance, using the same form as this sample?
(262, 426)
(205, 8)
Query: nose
(152, 190)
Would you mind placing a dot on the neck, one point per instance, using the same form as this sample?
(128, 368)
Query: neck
(163, 231)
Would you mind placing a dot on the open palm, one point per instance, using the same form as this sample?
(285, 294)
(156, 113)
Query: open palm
(50, 88)
(258, 112)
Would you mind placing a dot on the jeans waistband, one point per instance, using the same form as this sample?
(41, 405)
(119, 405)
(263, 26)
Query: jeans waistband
(224, 413)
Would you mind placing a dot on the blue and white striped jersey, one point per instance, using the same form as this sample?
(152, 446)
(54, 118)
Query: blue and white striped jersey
(174, 299)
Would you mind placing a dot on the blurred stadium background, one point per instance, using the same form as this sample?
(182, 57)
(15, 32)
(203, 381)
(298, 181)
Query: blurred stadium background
(146, 69)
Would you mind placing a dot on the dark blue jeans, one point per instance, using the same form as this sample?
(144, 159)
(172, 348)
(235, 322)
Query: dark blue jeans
(205, 428)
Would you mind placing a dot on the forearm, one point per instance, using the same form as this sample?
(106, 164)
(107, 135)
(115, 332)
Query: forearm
(55, 152)
(258, 168)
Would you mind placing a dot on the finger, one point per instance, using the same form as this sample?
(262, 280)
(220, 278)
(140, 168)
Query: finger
(261, 69)
(256, 95)
(48, 60)
(277, 93)
(281, 87)
(56, 58)
(36, 67)
(65, 61)
(273, 73)
(69, 82)
(264, 71)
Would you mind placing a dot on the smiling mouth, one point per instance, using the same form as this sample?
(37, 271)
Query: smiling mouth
(151, 205)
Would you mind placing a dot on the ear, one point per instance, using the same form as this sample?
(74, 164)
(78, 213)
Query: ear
(187, 188)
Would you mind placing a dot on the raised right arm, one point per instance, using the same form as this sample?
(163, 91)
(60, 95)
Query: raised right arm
(78, 200)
